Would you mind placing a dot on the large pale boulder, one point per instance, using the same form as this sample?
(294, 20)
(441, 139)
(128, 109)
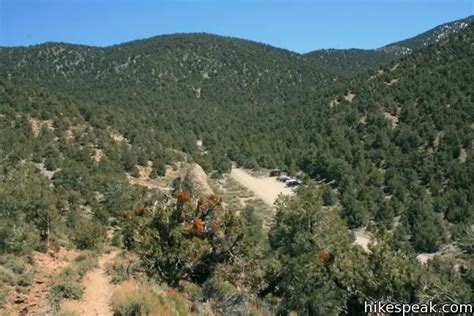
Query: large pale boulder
(198, 179)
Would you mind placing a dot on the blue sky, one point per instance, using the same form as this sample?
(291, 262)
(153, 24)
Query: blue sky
(298, 25)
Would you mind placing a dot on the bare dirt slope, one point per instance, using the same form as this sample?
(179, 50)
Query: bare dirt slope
(98, 291)
(362, 238)
(266, 188)
(34, 301)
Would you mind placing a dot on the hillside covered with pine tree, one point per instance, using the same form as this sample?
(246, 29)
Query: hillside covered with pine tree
(94, 140)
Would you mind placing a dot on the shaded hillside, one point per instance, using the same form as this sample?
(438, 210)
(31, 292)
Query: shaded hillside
(349, 62)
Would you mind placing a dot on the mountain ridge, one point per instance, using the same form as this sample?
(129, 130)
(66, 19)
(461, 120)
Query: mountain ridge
(340, 62)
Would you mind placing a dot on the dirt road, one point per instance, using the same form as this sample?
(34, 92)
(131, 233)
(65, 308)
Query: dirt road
(98, 291)
(268, 189)
(265, 188)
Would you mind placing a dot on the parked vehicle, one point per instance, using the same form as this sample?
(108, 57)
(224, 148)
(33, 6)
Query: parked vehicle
(275, 173)
(283, 178)
(292, 183)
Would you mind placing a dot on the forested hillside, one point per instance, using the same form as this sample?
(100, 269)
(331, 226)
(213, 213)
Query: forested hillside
(429, 37)
(407, 131)
(404, 128)
(170, 70)
(389, 150)
(350, 62)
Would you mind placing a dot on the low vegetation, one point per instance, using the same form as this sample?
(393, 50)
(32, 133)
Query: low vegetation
(16, 275)
(67, 283)
(148, 299)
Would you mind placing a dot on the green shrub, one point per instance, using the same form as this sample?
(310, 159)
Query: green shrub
(24, 280)
(50, 164)
(117, 239)
(88, 234)
(3, 294)
(192, 290)
(67, 274)
(17, 237)
(15, 264)
(118, 272)
(67, 284)
(14, 271)
(85, 262)
(64, 290)
(7, 276)
(159, 170)
(220, 290)
(132, 298)
(132, 302)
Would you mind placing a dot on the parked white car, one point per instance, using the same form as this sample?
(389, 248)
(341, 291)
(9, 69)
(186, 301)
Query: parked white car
(292, 183)
(283, 178)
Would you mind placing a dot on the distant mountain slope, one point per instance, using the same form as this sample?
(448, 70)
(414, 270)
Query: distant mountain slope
(195, 67)
(427, 38)
(354, 61)
(182, 66)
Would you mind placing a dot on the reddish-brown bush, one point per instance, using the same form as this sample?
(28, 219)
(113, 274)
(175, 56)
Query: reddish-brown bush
(198, 226)
(124, 214)
(140, 210)
(182, 195)
(326, 256)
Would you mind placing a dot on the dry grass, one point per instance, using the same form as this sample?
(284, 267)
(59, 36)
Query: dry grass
(148, 299)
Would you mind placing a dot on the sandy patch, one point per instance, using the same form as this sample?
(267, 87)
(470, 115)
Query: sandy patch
(463, 155)
(37, 125)
(349, 96)
(74, 130)
(392, 82)
(334, 103)
(392, 119)
(116, 136)
(394, 67)
(48, 174)
(266, 188)
(98, 155)
(362, 238)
